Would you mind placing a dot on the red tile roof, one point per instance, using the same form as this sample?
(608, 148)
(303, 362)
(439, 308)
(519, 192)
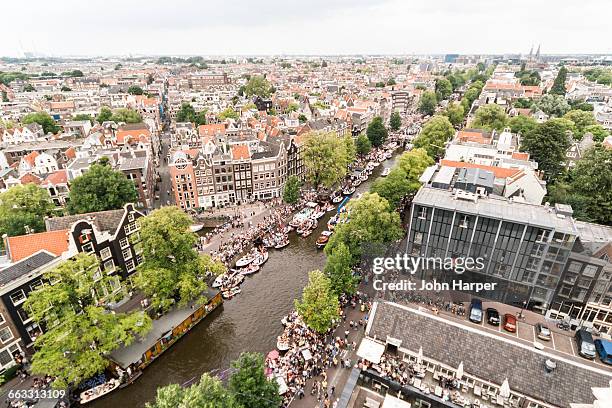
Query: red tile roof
(55, 178)
(23, 246)
(499, 172)
(240, 152)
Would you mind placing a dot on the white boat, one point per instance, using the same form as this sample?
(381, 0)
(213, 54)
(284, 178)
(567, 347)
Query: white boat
(196, 227)
(318, 214)
(337, 199)
(282, 344)
(323, 239)
(244, 261)
(99, 391)
(356, 183)
(385, 172)
(228, 294)
(282, 244)
(251, 269)
(376, 163)
(260, 259)
(218, 281)
(349, 190)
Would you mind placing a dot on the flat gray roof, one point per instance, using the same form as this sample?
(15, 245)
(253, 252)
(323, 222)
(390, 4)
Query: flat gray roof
(488, 356)
(496, 207)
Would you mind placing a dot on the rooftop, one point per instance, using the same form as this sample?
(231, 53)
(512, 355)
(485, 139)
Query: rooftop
(25, 266)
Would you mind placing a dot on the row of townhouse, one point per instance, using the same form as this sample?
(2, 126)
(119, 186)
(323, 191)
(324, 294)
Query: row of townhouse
(218, 174)
(112, 236)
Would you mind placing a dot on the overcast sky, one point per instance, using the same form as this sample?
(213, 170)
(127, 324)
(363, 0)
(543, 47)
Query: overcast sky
(225, 27)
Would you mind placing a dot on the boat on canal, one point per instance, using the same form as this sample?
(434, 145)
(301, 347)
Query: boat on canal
(282, 343)
(348, 190)
(99, 391)
(260, 258)
(282, 244)
(249, 270)
(323, 239)
(245, 260)
(230, 293)
(385, 172)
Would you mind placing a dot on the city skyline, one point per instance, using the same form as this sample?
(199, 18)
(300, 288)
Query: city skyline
(367, 27)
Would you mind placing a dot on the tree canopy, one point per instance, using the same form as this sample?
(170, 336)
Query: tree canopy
(324, 156)
(490, 117)
(338, 270)
(547, 144)
(582, 120)
(172, 270)
(395, 122)
(43, 119)
(249, 384)
(24, 206)
(372, 221)
(455, 113)
(229, 113)
(258, 86)
(99, 189)
(377, 132)
(558, 86)
(363, 145)
(434, 135)
(404, 178)
(135, 90)
(443, 88)
(188, 114)
(291, 191)
(522, 124)
(319, 305)
(79, 331)
(208, 392)
(428, 103)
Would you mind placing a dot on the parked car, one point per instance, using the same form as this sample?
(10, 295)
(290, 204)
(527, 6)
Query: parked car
(476, 311)
(604, 349)
(586, 345)
(543, 332)
(510, 323)
(492, 316)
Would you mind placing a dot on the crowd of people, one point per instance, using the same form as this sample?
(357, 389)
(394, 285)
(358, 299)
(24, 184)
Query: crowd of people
(311, 354)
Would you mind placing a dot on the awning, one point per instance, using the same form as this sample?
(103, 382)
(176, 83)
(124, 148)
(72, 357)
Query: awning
(307, 354)
(371, 350)
(393, 402)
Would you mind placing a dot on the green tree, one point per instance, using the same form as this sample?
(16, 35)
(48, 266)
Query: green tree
(404, 178)
(171, 268)
(455, 114)
(547, 144)
(443, 88)
(395, 122)
(99, 189)
(186, 113)
(29, 88)
(207, 393)
(79, 331)
(363, 145)
(428, 103)
(258, 86)
(229, 113)
(434, 135)
(350, 150)
(522, 124)
(126, 115)
(377, 132)
(582, 120)
(324, 158)
(599, 132)
(292, 107)
(105, 115)
(372, 221)
(43, 119)
(83, 117)
(554, 105)
(65, 88)
(291, 191)
(558, 87)
(523, 103)
(319, 305)
(302, 118)
(490, 117)
(338, 270)
(135, 90)
(24, 206)
(592, 184)
(249, 384)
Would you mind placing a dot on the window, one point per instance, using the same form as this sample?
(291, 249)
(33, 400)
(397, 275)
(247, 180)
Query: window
(35, 285)
(109, 266)
(589, 271)
(129, 265)
(105, 253)
(127, 254)
(6, 334)
(88, 248)
(423, 213)
(464, 223)
(18, 297)
(33, 331)
(131, 217)
(1, 318)
(5, 358)
(124, 243)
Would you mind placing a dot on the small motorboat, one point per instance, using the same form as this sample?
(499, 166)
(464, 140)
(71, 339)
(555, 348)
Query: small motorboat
(376, 163)
(228, 294)
(260, 259)
(219, 281)
(385, 172)
(99, 391)
(318, 214)
(196, 227)
(348, 190)
(244, 261)
(306, 233)
(336, 199)
(356, 183)
(251, 269)
(323, 239)
(282, 343)
(282, 244)
(364, 176)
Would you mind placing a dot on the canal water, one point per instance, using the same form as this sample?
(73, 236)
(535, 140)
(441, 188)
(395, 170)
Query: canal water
(249, 322)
